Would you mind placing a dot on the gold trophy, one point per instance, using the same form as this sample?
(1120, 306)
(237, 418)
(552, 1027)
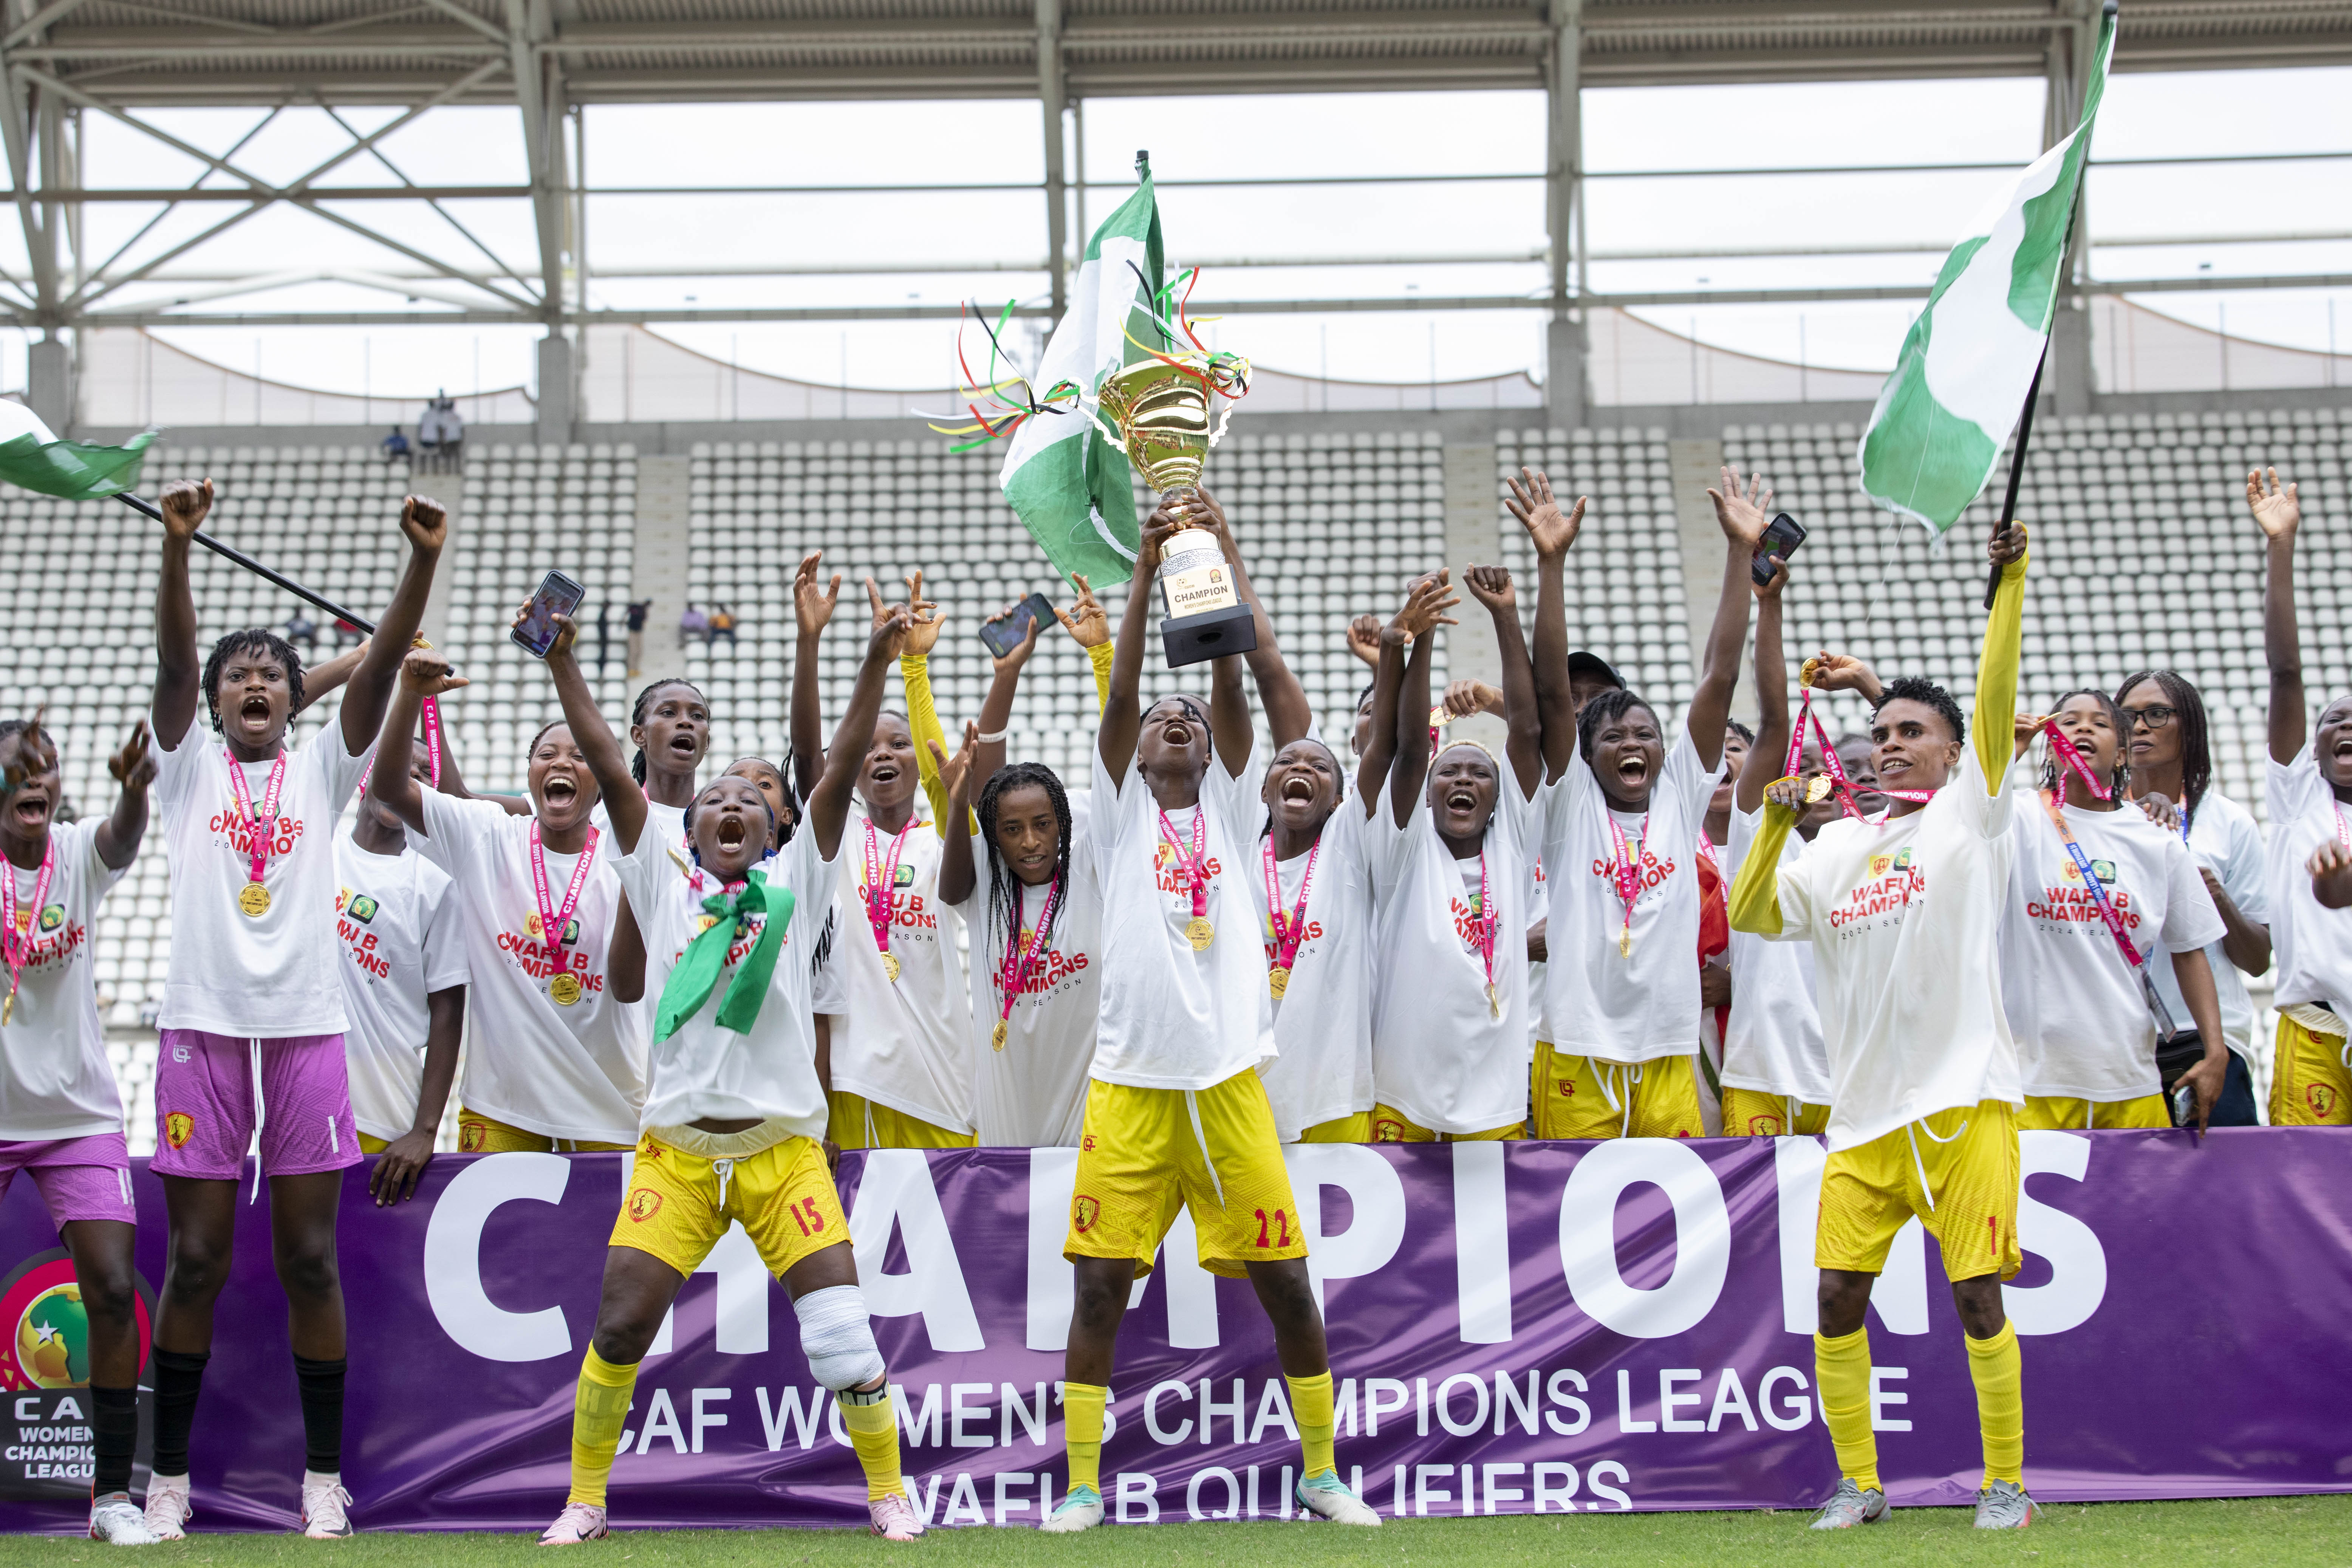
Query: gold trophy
(1161, 413)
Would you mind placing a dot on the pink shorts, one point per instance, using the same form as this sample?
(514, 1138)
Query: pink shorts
(206, 1109)
(79, 1178)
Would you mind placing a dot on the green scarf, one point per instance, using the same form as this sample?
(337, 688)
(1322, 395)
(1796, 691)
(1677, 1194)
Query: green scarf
(690, 983)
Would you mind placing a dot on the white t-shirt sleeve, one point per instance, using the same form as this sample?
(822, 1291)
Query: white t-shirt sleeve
(648, 873)
(2243, 872)
(338, 770)
(444, 939)
(2295, 787)
(2191, 921)
(812, 878)
(1692, 785)
(176, 768)
(456, 831)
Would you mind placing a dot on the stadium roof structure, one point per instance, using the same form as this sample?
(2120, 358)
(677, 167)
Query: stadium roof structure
(64, 59)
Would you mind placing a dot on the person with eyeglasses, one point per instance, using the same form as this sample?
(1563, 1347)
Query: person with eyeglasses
(2307, 785)
(2171, 779)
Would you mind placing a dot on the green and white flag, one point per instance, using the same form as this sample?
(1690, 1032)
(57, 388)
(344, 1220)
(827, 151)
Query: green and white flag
(1960, 382)
(33, 458)
(1068, 481)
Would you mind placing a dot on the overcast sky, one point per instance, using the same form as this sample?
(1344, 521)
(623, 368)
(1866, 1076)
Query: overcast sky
(1391, 227)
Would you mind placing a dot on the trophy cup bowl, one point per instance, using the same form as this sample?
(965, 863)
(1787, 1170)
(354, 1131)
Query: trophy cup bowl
(1161, 412)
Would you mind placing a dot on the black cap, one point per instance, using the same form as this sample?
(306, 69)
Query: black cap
(1584, 662)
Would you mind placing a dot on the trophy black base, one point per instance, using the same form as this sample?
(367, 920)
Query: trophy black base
(1210, 634)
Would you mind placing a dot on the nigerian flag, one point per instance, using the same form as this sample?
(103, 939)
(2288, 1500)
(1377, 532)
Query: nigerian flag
(1960, 382)
(33, 458)
(1068, 481)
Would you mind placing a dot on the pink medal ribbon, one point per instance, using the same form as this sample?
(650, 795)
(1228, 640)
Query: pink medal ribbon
(1194, 862)
(255, 900)
(1287, 933)
(881, 878)
(1021, 960)
(552, 922)
(431, 709)
(1627, 874)
(1483, 929)
(1830, 762)
(18, 948)
(2072, 758)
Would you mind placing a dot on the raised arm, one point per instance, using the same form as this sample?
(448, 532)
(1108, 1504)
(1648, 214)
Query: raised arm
(423, 673)
(1491, 587)
(1411, 768)
(1996, 712)
(426, 528)
(1553, 533)
(1754, 902)
(1287, 713)
(1122, 718)
(1771, 753)
(828, 804)
(996, 708)
(179, 669)
(812, 604)
(1426, 600)
(922, 712)
(625, 799)
(958, 874)
(133, 768)
(1743, 516)
(624, 954)
(1089, 623)
(2279, 514)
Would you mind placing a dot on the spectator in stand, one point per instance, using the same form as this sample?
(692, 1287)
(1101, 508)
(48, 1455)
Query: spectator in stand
(638, 609)
(302, 628)
(722, 625)
(603, 638)
(395, 445)
(343, 629)
(693, 626)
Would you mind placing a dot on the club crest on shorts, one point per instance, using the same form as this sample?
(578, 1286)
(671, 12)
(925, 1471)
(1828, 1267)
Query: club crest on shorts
(178, 1128)
(644, 1203)
(1387, 1131)
(2320, 1098)
(1084, 1212)
(471, 1137)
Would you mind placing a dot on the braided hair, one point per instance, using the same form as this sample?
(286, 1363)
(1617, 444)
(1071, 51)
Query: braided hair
(2196, 749)
(637, 716)
(263, 643)
(2121, 773)
(1004, 894)
(1604, 706)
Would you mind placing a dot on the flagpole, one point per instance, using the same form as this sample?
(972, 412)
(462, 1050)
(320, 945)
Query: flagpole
(141, 504)
(2016, 465)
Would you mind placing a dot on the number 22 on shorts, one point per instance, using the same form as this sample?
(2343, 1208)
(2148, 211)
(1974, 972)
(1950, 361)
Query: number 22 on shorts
(1279, 1226)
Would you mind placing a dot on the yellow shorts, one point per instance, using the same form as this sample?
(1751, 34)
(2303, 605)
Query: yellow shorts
(857, 1122)
(678, 1206)
(1390, 1125)
(1356, 1128)
(1752, 1114)
(1214, 1150)
(2309, 1084)
(479, 1134)
(2058, 1113)
(1591, 1096)
(1968, 1205)
(372, 1144)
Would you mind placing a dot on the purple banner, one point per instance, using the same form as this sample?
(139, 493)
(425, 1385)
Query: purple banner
(1514, 1328)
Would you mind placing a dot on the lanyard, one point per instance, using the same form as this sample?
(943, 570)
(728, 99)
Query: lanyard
(1706, 852)
(2343, 832)
(2115, 922)
(431, 709)
(1288, 933)
(1830, 762)
(881, 879)
(1483, 928)
(18, 949)
(1194, 862)
(552, 922)
(1627, 873)
(262, 828)
(2072, 758)
(1013, 974)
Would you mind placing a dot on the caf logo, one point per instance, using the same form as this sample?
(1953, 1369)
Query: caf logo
(178, 1128)
(1084, 1212)
(53, 917)
(47, 1328)
(644, 1203)
(905, 878)
(571, 929)
(361, 907)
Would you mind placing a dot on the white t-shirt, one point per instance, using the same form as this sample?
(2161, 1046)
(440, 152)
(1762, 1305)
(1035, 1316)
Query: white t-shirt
(1539, 983)
(826, 993)
(1440, 1053)
(1323, 1020)
(905, 1044)
(1602, 1002)
(1904, 919)
(576, 1071)
(1173, 1017)
(666, 822)
(2082, 1027)
(1773, 1043)
(2224, 840)
(1033, 1093)
(2313, 945)
(706, 1071)
(55, 1079)
(397, 931)
(269, 976)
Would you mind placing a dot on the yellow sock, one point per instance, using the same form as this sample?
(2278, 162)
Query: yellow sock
(1310, 1401)
(1082, 1427)
(600, 1409)
(1841, 1367)
(1998, 1373)
(874, 1433)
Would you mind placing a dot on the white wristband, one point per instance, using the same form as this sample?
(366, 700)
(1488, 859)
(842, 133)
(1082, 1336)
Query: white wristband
(991, 740)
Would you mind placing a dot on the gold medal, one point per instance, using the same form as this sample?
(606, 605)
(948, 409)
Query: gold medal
(254, 900)
(1494, 1001)
(996, 1040)
(1200, 933)
(1278, 980)
(1625, 944)
(8, 1008)
(1817, 789)
(565, 990)
(1809, 672)
(890, 967)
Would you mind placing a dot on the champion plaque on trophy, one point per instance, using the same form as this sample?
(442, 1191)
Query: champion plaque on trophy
(1161, 410)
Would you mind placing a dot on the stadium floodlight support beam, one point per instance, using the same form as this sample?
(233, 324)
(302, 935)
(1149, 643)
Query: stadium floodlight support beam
(538, 96)
(2068, 74)
(1564, 391)
(1053, 97)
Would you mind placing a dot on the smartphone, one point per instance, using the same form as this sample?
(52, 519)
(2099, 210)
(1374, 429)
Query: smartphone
(2184, 1106)
(1009, 630)
(1781, 537)
(558, 596)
